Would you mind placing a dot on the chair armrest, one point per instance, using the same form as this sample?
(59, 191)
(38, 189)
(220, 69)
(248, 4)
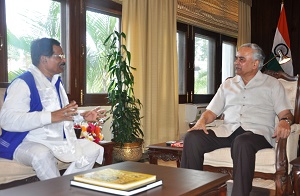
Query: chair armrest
(281, 156)
(287, 148)
(281, 166)
(292, 143)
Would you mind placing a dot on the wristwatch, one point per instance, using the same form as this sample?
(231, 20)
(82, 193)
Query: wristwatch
(287, 120)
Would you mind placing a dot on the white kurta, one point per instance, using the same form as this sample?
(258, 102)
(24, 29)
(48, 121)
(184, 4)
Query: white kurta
(14, 116)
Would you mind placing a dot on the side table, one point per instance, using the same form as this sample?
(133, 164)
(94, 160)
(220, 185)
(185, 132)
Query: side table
(296, 175)
(164, 152)
(108, 150)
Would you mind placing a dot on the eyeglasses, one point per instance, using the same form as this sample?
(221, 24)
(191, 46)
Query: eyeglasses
(62, 56)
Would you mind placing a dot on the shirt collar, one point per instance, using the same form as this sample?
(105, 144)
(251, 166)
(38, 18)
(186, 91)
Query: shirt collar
(258, 77)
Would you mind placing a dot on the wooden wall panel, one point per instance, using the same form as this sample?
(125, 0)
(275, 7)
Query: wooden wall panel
(264, 19)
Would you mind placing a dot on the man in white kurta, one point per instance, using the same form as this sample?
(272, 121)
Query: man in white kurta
(50, 134)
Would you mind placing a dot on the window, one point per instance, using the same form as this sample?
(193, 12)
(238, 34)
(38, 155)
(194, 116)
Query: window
(80, 25)
(99, 25)
(205, 59)
(28, 21)
(204, 64)
(228, 57)
(98, 28)
(181, 49)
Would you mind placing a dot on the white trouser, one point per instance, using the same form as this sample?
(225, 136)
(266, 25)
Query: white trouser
(44, 162)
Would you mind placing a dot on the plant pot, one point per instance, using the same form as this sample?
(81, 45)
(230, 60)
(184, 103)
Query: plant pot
(129, 152)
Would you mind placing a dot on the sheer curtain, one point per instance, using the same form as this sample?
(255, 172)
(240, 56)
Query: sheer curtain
(150, 26)
(244, 32)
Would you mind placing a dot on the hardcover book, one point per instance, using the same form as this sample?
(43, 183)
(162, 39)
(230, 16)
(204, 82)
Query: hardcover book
(116, 179)
(116, 191)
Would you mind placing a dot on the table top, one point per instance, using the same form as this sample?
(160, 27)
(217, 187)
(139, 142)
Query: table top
(163, 146)
(176, 181)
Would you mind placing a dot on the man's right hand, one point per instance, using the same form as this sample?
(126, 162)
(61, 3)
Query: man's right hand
(65, 114)
(206, 117)
(200, 125)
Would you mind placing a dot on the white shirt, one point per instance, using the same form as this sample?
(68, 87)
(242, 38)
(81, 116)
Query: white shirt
(253, 106)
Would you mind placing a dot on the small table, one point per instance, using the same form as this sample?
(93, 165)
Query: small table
(164, 152)
(176, 181)
(296, 175)
(108, 150)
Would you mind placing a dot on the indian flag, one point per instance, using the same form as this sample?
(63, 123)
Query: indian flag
(281, 42)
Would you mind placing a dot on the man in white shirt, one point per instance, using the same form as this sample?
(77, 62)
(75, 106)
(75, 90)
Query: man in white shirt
(250, 102)
(37, 118)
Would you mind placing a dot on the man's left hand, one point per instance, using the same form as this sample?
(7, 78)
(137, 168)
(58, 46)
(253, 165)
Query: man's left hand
(94, 115)
(282, 130)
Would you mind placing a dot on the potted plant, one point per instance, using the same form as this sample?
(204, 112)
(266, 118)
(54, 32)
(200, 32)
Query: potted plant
(125, 107)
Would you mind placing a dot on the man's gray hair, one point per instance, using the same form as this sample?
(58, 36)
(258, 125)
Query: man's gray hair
(258, 53)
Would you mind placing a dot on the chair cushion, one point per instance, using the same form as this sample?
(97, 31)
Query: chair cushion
(265, 159)
(11, 170)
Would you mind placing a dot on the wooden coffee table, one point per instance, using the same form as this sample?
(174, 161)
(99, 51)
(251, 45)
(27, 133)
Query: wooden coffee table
(164, 152)
(176, 181)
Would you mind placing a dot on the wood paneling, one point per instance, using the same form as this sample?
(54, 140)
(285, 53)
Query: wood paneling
(264, 19)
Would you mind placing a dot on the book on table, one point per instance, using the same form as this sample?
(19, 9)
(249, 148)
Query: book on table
(116, 181)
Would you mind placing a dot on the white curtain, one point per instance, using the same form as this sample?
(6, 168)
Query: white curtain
(150, 26)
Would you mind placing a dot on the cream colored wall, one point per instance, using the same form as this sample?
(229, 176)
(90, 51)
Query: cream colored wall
(183, 124)
(105, 131)
(186, 114)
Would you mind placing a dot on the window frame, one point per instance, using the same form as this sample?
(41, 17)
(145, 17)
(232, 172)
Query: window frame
(73, 17)
(191, 31)
(103, 7)
(3, 45)
(76, 43)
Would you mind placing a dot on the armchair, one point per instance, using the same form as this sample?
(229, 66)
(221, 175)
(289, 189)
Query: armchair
(273, 163)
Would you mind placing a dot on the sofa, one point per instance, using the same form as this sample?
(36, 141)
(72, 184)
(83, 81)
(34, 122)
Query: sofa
(13, 173)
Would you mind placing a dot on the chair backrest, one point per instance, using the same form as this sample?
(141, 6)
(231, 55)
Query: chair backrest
(3, 87)
(292, 89)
